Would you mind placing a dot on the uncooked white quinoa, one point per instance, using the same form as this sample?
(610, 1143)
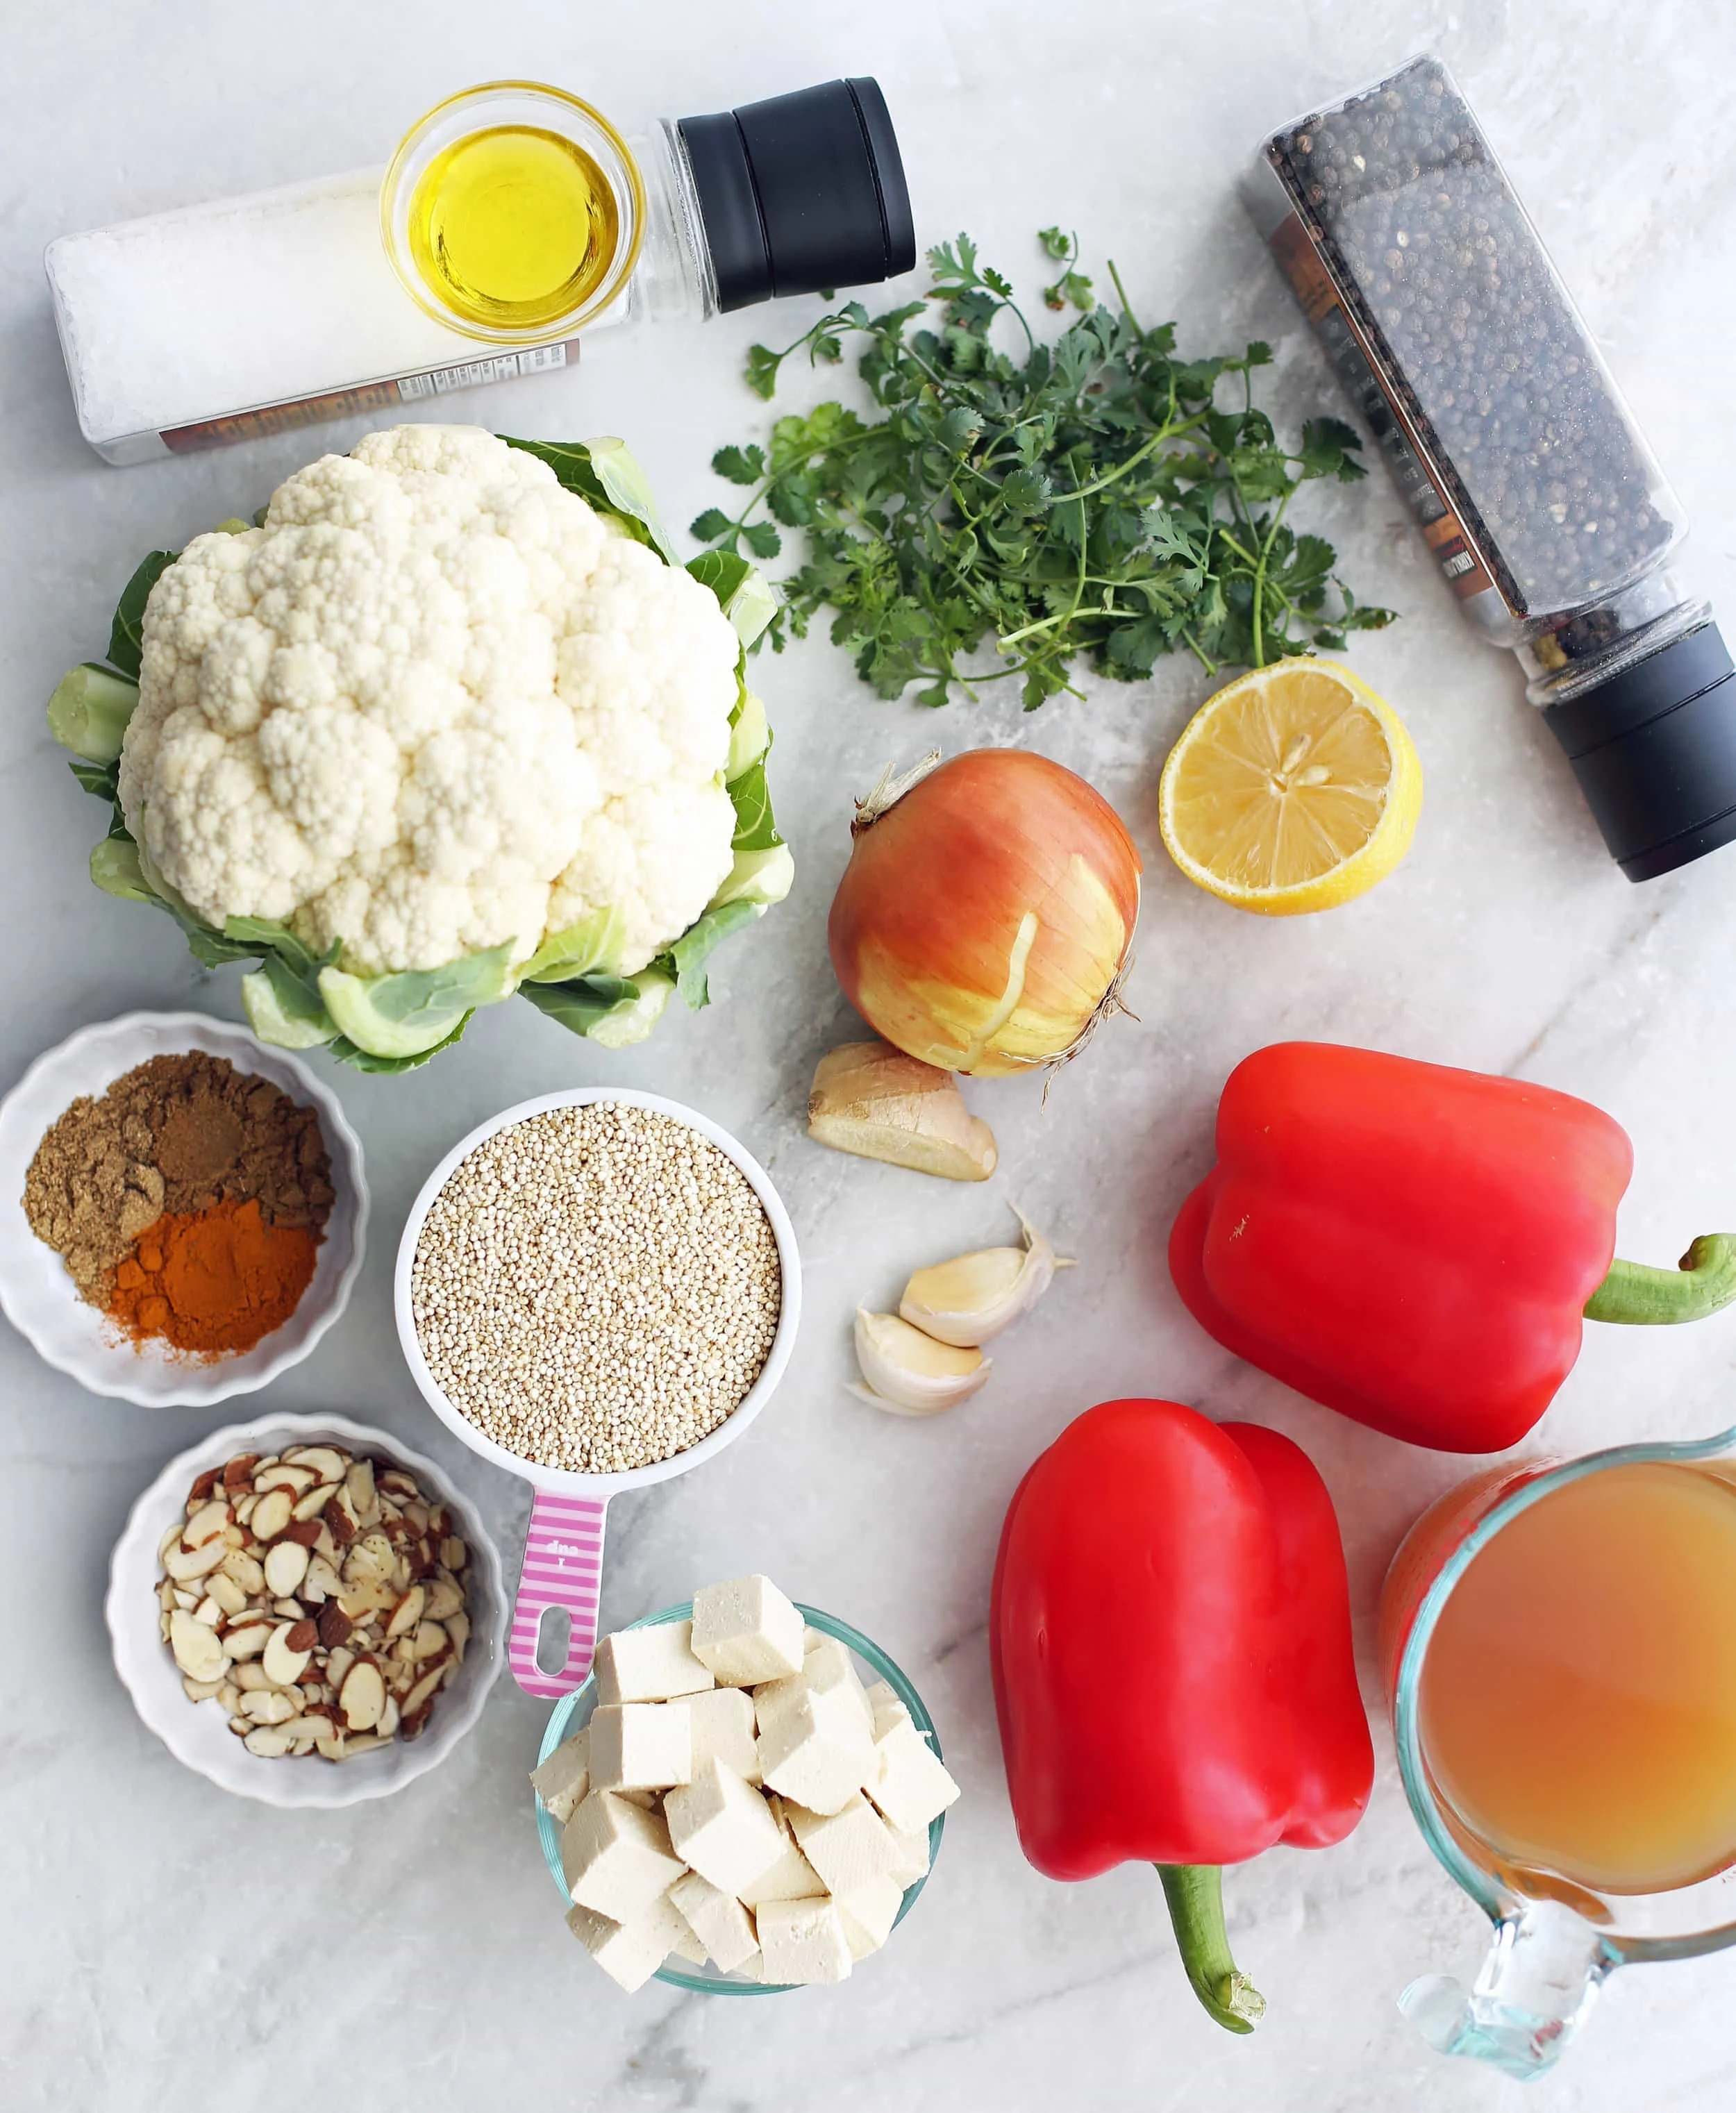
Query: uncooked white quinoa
(595, 1288)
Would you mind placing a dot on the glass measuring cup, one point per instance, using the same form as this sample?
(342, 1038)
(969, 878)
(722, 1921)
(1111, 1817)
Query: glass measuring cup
(1557, 1938)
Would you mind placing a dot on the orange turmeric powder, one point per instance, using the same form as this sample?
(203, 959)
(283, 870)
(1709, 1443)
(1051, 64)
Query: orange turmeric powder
(213, 1282)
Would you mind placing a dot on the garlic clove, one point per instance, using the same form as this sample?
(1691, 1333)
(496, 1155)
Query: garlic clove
(970, 1299)
(910, 1373)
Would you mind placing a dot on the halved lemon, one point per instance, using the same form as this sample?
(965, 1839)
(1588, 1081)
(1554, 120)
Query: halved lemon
(1295, 788)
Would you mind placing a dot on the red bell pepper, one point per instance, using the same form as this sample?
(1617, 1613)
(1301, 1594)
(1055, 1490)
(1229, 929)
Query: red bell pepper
(1170, 1636)
(1416, 1246)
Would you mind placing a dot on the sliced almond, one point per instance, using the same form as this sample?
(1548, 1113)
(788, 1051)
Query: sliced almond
(324, 1545)
(444, 1598)
(225, 1590)
(452, 1553)
(238, 1473)
(267, 1742)
(271, 1514)
(422, 1692)
(418, 1515)
(282, 1662)
(202, 1485)
(343, 1519)
(251, 1677)
(165, 1593)
(245, 1570)
(172, 1538)
(245, 1507)
(399, 1481)
(206, 1524)
(354, 1746)
(389, 1718)
(321, 1582)
(285, 1475)
(209, 1612)
(286, 1565)
(229, 1696)
(267, 1706)
(358, 1487)
(305, 1532)
(363, 1696)
(199, 1650)
(337, 1665)
(247, 1640)
(458, 1627)
(431, 1640)
(310, 1506)
(326, 1463)
(332, 1748)
(187, 1598)
(408, 1613)
(184, 1565)
(289, 1608)
(201, 1691)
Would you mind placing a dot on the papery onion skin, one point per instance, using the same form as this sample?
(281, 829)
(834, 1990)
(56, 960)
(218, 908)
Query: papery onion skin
(984, 917)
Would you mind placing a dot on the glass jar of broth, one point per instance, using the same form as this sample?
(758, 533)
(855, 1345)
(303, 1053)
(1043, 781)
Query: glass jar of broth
(518, 214)
(1546, 512)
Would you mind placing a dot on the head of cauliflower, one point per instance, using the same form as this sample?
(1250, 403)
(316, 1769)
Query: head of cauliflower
(435, 705)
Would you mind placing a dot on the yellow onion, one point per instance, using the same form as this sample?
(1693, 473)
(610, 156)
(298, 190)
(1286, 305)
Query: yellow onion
(985, 919)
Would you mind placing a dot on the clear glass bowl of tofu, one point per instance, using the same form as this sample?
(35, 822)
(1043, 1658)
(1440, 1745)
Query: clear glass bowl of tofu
(888, 1687)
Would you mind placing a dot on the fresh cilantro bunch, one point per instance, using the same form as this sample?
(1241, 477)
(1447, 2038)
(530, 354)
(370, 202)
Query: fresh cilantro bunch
(1087, 496)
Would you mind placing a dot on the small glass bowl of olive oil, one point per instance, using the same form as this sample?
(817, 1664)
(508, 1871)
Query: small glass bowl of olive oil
(513, 212)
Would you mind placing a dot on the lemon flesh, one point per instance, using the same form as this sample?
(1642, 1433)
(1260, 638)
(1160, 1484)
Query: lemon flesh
(1294, 789)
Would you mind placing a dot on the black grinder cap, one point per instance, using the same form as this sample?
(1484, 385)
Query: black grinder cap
(801, 194)
(1654, 750)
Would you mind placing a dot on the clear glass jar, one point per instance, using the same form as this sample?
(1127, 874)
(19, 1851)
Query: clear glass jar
(1547, 513)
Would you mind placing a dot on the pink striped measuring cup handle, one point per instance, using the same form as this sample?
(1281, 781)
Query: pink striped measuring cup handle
(563, 1565)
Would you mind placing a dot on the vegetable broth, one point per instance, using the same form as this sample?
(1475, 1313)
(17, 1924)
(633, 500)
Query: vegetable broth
(512, 227)
(1578, 1701)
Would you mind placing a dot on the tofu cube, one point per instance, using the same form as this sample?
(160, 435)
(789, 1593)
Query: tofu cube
(563, 1781)
(720, 1924)
(802, 1941)
(910, 1783)
(723, 1730)
(814, 1746)
(868, 1915)
(792, 1877)
(885, 1708)
(654, 1665)
(849, 1848)
(617, 1858)
(641, 1745)
(746, 1632)
(913, 1858)
(630, 1952)
(687, 1946)
(829, 1674)
(724, 1827)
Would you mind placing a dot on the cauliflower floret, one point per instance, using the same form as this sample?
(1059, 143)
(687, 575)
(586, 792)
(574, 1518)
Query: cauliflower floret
(435, 705)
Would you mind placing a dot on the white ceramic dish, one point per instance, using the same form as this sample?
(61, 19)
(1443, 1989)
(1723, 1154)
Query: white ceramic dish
(197, 1733)
(563, 1543)
(36, 1293)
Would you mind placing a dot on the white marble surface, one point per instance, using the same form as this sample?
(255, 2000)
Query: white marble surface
(162, 1944)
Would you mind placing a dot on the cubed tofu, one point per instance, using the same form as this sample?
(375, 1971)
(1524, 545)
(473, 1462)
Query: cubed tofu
(617, 1858)
(641, 1745)
(910, 1783)
(815, 1748)
(847, 1848)
(564, 1780)
(723, 1730)
(792, 1877)
(869, 1914)
(724, 1827)
(630, 1952)
(721, 1925)
(913, 1857)
(885, 1708)
(746, 1632)
(652, 1664)
(802, 1941)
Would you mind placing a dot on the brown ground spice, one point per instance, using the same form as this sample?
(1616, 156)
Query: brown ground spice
(176, 1138)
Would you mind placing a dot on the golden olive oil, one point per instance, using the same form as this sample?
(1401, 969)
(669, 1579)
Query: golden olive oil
(512, 227)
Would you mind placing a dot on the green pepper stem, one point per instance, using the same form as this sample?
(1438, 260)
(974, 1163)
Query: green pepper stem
(1194, 1892)
(1704, 1281)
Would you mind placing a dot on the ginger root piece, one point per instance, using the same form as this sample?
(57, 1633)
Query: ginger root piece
(871, 1099)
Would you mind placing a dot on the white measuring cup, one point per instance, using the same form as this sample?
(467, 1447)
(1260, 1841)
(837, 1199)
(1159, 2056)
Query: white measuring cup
(563, 1544)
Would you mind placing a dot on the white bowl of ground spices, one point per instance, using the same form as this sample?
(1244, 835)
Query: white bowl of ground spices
(595, 1290)
(182, 1210)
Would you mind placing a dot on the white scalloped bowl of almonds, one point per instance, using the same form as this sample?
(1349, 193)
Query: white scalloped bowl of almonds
(365, 1670)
